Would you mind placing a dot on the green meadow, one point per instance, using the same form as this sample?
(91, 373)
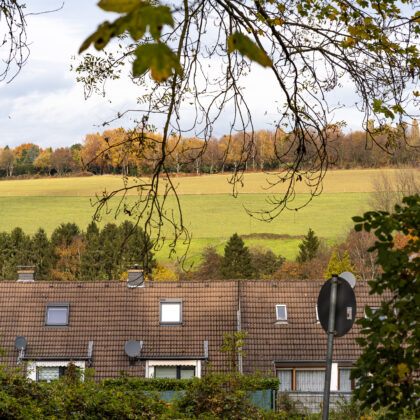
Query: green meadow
(210, 213)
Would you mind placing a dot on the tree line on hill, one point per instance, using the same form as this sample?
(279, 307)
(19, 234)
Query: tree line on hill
(106, 254)
(70, 254)
(315, 260)
(112, 152)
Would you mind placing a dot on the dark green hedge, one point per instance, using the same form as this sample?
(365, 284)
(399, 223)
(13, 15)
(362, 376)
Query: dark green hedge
(246, 383)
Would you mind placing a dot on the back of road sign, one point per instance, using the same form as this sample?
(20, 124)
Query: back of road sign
(345, 310)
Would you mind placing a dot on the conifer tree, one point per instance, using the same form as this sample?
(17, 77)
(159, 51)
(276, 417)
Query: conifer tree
(136, 248)
(64, 234)
(41, 254)
(91, 265)
(236, 263)
(338, 265)
(308, 248)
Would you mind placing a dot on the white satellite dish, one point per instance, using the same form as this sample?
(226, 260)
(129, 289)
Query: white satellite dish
(349, 277)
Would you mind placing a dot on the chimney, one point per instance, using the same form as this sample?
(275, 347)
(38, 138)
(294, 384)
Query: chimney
(26, 274)
(135, 278)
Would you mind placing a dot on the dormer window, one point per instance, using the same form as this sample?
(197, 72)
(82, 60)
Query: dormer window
(170, 312)
(57, 315)
(281, 313)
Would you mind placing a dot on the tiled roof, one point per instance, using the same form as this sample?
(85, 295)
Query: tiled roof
(301, 338)
(109, 313)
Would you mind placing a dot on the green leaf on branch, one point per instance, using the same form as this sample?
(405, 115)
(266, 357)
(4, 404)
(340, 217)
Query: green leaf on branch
(246, 47)
(159, 58)
(378, 108)
(119, 6)
(138, 19)
(153, 17)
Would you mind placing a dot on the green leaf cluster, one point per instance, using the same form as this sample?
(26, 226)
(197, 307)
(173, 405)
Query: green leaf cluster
(138, 18)
(388, 369)
(240, 42)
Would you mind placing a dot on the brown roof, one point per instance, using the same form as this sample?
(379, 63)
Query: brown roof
(301, 338)
(109, 313)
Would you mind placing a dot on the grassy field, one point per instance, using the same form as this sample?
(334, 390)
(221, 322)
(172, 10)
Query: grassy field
(211, 214)
(254, 183)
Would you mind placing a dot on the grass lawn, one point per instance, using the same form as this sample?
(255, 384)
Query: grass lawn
(211, 218)
(210, 212)
(335, 182)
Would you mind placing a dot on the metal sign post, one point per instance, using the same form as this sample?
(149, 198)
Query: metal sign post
(337, 312)
(330, 344)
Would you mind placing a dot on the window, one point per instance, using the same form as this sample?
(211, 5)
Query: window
(175, 372)
(170, 311)
(48, 374)
(57, 314)
(310, 377)
(281, 313)
(317, 316)
(310, 380)
(285, 379)
(175, 369)
(301, 379)
(48, 370)
(344, 382)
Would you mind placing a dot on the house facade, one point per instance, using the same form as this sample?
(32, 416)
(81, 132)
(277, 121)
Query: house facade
(175, 329)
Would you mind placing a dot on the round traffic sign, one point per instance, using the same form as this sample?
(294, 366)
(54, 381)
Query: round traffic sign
(345, 309)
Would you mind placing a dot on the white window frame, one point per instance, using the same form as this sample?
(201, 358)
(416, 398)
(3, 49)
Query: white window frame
(352, 381)
(57, 305)
(294, 369)
(32, 367)
(281, 320)
(151, 364)
(170, 302)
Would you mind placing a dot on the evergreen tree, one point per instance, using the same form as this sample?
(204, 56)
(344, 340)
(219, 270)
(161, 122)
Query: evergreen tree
(109, 239)
(5, 257)
(91, 265)
(338, 265)
(64, 234)
(236, 263)
(136, 248)
(308, 248)
(42, 255)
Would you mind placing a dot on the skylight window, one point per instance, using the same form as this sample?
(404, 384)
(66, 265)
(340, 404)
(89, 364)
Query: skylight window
(170, 311)
(57, 314)
(316, 312)
(281, 312)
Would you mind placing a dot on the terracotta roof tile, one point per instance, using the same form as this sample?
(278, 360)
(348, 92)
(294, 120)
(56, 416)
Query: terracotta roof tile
(109, 313)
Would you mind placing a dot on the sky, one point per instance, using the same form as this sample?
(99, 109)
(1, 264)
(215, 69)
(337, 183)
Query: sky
(45, 105)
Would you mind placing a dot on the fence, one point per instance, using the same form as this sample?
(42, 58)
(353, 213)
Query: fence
(264, 398)
(311, 402)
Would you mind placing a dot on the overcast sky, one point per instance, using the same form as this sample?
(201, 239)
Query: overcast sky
(45, 105)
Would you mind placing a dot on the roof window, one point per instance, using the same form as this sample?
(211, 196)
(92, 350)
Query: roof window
(170, 312)
(57, 315)
(281, 313)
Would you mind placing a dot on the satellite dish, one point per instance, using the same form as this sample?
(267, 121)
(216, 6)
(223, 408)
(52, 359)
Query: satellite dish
(20, 343)
(349, 277)
(132, 348)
